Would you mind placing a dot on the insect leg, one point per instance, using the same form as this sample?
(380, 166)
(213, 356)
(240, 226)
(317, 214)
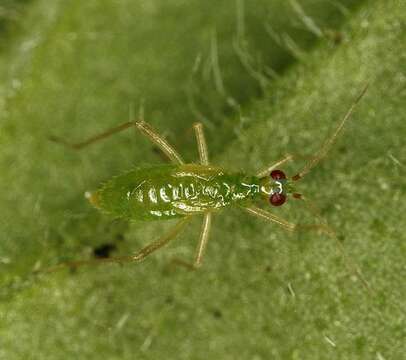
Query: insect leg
(93, 139)
(158, 140)
(142, 126)
(137, 257)
(201, 143)
(324, 227)
(265, 215)
(204, 237)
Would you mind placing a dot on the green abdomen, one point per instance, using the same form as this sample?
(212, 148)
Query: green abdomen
(170, 191)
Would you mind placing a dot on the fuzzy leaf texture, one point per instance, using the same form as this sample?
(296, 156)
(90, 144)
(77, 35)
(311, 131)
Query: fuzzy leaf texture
(265, 78)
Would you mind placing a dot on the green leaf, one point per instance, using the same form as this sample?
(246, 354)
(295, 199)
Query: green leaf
(265, 79)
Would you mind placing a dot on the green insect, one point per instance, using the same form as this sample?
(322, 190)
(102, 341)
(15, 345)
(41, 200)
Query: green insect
(181, 191)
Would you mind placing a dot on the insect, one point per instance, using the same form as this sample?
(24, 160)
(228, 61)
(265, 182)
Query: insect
(181, 191)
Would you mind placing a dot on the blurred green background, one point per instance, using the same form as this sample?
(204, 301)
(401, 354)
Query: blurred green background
(265, 78)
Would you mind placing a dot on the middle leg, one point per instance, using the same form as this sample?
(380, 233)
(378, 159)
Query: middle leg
(204, 237)
(201, 144)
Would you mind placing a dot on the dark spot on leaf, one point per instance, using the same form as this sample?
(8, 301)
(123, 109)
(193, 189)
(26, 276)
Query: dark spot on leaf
(120, 237)
(104, 251)
(217, 314)
(360, 342)
(340, 238)
(379, 226)
(320, 324)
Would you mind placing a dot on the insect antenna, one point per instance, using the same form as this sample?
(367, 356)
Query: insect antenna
(331, 140)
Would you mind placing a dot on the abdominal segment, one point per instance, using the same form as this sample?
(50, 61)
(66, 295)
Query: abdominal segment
(180, 197)
(165, 192)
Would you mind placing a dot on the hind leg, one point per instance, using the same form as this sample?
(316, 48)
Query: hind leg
(142, 126)
(137, 257)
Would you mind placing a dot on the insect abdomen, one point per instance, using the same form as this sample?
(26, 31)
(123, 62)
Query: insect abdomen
(170, 191)
(135, 194)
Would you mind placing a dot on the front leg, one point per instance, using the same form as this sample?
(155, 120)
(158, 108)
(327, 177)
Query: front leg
(323, 227)
(265, 215)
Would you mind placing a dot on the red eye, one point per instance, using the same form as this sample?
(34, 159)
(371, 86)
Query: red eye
(277, 199)
(278, 175)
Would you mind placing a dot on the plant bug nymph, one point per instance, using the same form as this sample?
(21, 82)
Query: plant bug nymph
(180, 191)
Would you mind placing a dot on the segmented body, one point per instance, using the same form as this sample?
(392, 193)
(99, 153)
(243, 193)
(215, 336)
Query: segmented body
(173, 191)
